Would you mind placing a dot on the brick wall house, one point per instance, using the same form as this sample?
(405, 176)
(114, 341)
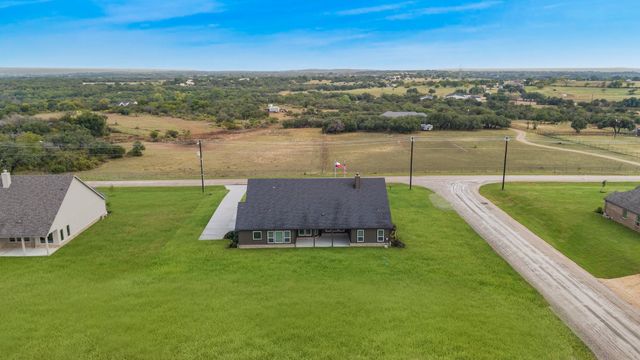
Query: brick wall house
(624, 208)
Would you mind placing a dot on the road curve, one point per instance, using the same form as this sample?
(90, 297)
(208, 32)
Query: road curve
(607, 324)
(522, 137)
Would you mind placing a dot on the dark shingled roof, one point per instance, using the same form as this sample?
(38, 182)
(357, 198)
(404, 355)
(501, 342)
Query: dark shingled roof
(29, 206)
(629, 200)
(314, 204)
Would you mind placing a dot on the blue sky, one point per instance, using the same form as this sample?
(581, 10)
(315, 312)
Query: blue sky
(279, 35)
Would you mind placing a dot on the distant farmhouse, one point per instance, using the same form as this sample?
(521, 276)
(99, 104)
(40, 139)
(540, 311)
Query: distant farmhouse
(456, 96)
(273, 108)
(40, 213)
(314, 213)
(397, 114)
(624, 207)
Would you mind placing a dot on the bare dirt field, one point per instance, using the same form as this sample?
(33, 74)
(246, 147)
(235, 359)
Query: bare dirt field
(627, 287)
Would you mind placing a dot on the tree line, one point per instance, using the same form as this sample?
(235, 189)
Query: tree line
(71, 143)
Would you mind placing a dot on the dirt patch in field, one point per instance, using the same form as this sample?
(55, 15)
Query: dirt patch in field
(627, 287)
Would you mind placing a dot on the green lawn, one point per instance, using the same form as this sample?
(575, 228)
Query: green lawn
(140, 285)
(563, 215)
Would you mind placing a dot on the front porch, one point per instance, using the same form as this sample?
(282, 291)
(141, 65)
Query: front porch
(12, 251)
(324, 240)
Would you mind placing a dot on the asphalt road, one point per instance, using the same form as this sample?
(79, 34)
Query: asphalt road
(607, 324)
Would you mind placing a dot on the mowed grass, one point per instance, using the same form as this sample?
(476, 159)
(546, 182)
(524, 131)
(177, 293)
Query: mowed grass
(592, 139)
(583, 93)
(564, 216)
(278, 152)
(139, 285)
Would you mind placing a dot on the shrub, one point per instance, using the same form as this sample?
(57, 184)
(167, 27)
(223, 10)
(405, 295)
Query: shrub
(154, 135)
(233, 236)
(137, 149)
(599, 210)
(171, 134)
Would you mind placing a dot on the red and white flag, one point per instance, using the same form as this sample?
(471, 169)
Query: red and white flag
(339, 166)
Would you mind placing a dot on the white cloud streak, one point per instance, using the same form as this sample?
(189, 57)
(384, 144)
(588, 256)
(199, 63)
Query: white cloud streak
(14, 3)
(436, 10)
(373, 9)
(149, 10)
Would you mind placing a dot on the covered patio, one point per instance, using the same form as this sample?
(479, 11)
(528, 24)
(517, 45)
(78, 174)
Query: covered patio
(324, 240)
(27, 251)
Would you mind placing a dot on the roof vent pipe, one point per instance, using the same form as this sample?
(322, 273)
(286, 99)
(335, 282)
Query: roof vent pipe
(357, 181)
(6, 179)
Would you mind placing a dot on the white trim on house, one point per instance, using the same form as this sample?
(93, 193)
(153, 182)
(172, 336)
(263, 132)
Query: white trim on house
(380, 238)
(279, 237)
(360, 235)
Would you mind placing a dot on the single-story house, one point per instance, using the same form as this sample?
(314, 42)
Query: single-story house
(273, 108)
(456, 96)
(46, 211)
(397, 114)
(314, 213)
(624, 207)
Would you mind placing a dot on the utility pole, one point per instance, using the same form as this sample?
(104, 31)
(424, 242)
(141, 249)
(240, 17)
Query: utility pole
(201, 164)
(411, 166)
(504, 165)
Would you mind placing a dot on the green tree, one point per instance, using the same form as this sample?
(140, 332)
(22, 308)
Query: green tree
(137, 149)
(578, 124)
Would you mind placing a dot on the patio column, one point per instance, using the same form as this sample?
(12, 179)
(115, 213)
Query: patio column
(46, 241)
(24, 251)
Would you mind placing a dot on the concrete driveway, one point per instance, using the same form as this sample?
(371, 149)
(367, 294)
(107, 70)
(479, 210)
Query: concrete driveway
(224, 218)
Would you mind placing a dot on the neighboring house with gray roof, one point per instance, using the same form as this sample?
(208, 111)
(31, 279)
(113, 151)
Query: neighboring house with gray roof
(46, 211)
(624, 207)
(314, 212)
(397, 114)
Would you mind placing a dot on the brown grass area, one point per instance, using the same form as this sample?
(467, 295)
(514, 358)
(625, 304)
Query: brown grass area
(277, 152)
(143, 124)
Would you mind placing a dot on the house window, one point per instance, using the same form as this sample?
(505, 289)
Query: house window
(257, 235)
(637, 220)
(624, 213)
(27, 239)
(305, 232)
(61, 235)
(380, 237)
(12, 239)
(360, 235)
(279, 237)
(68, 231)
(50, 238)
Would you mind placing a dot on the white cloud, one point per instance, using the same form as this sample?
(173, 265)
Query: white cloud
(373, 9)
(149, 10)
(435, 10)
